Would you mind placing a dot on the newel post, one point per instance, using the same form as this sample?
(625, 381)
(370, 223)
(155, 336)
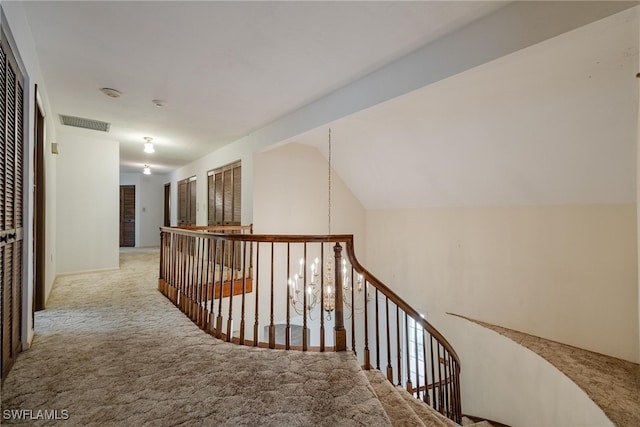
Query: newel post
(340, 334)
(161, 271)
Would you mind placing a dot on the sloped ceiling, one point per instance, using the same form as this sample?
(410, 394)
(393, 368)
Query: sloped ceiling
(555, 123)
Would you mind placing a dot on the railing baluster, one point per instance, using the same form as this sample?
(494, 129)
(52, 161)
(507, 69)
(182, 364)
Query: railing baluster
(415, 354)
(322, 337)
(367, 354)
(425, 395)
(445, 355)
(190, 272)
(219, 318)
(232, 282)
(389, 368)
(244, 289)
(287, 331)
(206, 312)
(434, 400)
(377, 333)
(399, 355)
(440, 400)
(304, 300)
(409, 386)
(257, 288)
(272, 327)
(340, 334)
(353, 316)
(212, 311)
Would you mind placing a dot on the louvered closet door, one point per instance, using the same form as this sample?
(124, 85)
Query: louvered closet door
(11, 208)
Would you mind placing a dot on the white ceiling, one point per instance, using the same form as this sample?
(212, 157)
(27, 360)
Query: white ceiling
(555, 123)
(223, 68)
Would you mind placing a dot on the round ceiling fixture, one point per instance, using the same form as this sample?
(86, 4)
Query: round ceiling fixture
(159, 102)
(111, 93)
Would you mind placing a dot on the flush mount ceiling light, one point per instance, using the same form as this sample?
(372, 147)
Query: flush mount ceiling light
(111, 93)
(148, 146)
(158, 102)
(146, 170)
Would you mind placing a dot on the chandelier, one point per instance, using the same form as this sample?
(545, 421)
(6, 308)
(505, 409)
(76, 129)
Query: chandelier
(306, 291)
(320, 288)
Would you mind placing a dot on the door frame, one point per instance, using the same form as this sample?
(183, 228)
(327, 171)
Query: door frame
(39, 197)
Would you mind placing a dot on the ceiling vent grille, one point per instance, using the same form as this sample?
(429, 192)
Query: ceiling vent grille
(81, 122)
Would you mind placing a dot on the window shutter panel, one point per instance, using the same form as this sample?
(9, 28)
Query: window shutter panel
(192, 202)
(227, 197)
(218, 196)
(3, 124)
(237, 195)
(182, 203)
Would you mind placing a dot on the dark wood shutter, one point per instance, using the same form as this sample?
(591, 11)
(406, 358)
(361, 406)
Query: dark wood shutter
(127, 215)
(11, 204)
(187, 201)
(225, 190)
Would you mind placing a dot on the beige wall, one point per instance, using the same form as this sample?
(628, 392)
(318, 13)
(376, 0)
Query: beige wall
(566, 273)
(291, 196)
(88, 204)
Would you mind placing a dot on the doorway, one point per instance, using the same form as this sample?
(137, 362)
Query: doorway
(127, 215)
(167, 205)
(39, 211)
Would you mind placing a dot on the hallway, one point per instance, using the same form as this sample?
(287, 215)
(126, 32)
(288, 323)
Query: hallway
(111, 350)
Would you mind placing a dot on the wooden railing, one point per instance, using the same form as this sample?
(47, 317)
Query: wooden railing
(301, 293)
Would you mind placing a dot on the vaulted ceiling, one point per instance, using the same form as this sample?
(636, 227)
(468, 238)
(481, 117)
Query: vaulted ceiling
(550, 123)
(555, 123)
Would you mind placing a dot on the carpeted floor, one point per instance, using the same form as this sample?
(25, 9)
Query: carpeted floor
(111, 350)
(613, 384)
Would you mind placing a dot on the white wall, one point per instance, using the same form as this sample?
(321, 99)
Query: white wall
(566, 273)
(290, 195)
(88, 203)
(506, 382)
(14, 23)
(149, 206)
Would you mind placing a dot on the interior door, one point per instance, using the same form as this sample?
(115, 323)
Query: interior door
(11, 205)
(167, 205)
(127, 215)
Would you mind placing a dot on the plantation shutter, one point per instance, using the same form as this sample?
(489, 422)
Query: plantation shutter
(11, 204)
(225, 192)
(187, 201)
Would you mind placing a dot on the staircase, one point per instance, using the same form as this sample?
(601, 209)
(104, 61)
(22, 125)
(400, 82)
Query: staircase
(404, 410)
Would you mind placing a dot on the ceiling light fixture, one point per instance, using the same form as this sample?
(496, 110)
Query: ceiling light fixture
(158, 102)
(148, 146)
(111, 93)
(147, 170)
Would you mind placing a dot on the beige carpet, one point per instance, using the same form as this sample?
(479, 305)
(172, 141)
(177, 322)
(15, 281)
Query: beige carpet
(613, 384)
(111, 350)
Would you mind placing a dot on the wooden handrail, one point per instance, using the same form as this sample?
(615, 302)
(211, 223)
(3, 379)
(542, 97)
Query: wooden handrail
(397, 300)
(203, 268)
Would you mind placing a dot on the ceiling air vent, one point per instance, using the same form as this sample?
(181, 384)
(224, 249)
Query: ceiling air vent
(81, 122)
